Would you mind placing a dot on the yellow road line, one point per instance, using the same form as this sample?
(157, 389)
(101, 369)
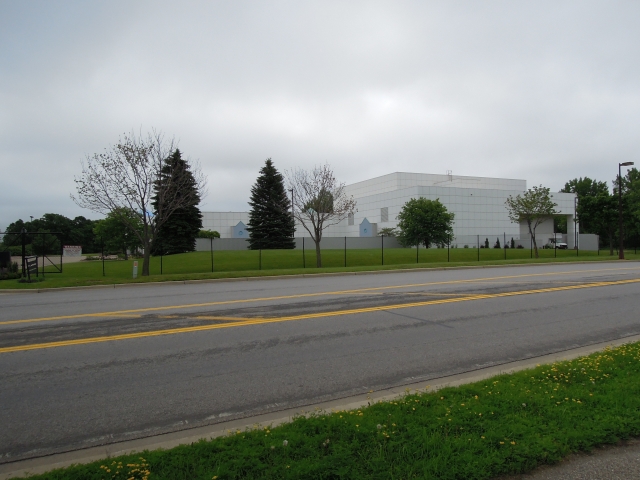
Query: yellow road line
(302, 295)
(208, 317)
(262, 321)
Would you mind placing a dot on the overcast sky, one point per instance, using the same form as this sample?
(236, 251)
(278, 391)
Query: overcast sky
(541, 91)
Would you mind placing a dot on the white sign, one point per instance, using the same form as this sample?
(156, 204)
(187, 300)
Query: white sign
(72, 250)
(135, 269)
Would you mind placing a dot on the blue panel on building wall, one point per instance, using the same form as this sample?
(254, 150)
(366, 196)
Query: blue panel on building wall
(240, 231)
(367, 229)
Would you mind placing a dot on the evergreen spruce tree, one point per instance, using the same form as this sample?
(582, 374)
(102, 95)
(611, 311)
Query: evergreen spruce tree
(178, 234)
(271, 224)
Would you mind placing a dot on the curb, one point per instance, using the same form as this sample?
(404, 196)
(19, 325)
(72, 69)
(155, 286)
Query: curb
(298, 275)
(169, 440)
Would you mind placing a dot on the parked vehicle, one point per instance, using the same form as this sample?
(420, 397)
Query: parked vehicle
(556, 243)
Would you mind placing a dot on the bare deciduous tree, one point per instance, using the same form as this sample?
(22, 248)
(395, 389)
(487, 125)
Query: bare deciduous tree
(126, 176)
(319, 201)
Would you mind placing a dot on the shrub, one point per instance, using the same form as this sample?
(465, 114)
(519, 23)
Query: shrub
(208, 234)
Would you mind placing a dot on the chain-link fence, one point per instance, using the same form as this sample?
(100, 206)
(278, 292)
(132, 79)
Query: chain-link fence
(31, 253)
(233, 255)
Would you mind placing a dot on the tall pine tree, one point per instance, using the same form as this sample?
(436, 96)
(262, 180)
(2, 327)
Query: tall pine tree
(271, 224)
(178, 234)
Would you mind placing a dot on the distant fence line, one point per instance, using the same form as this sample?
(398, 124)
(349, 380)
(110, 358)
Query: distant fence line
(585, 242)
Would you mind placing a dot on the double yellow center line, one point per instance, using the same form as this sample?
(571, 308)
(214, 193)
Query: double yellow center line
(262, 321)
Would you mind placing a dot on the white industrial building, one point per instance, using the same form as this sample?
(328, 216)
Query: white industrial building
(477, 202)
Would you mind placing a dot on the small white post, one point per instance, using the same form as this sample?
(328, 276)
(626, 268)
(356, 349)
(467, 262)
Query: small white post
(135, 269)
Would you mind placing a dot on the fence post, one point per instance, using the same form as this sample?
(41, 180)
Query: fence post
(304, 260)
(102, 253)
(478, 247)
(24, 251)
(504, 244)
(345, 251)
(382, 240)
(211, 254)
(44, 256)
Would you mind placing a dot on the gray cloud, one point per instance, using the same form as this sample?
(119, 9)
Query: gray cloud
(545, 91)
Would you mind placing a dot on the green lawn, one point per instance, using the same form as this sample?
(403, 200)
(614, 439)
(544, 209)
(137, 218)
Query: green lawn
(505, 425)
(197, 265)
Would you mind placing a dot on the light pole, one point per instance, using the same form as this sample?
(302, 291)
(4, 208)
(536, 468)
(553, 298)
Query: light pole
(620, 165)
(575, 222)
(292, 214)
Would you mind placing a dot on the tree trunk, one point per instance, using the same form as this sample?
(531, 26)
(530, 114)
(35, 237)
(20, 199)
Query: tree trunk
(147, 233)
(610, 243)
(318, 255)
(533, 238)
(147, 258)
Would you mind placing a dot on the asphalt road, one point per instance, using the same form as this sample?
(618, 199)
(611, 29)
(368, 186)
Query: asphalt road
(82, 368)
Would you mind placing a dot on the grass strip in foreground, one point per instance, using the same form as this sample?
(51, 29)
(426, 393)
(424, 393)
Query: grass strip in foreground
(504, 425)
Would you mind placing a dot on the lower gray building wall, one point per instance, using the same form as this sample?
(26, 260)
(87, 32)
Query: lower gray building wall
(585, 242)
(331, 243)
(327, 243)
(204, 244)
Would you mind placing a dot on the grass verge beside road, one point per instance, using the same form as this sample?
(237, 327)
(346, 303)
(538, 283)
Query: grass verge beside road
(504, 425)
(247, 263)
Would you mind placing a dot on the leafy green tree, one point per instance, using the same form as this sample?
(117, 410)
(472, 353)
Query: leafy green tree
(532, 207)
(178, 233)
(78, 231)
(630, 202)
(208, 234)
(583, 188)
(270, 222)
(388, 232)
(424, 221)
(602, 211)
(116, 233)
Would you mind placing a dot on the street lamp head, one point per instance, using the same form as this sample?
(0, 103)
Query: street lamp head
(626, 164)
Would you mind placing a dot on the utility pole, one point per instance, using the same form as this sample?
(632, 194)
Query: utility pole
(620, 165)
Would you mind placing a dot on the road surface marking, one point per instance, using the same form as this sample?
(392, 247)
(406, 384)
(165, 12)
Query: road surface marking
(301, 295)
(261, 321)
(206, 317)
